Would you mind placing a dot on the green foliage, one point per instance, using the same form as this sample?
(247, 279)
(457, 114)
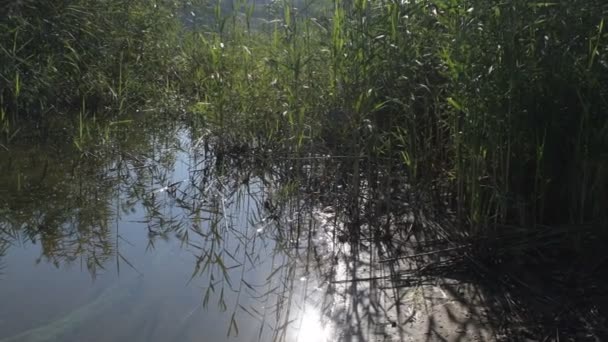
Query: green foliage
(496, 108)
(531, 82)
(110, 54)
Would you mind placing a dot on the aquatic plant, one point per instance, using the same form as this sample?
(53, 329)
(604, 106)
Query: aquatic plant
(58, 54)
(485, 116)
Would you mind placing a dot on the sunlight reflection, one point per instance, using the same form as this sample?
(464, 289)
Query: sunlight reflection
(312, 328)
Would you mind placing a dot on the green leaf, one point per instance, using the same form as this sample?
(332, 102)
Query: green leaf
(454, 104)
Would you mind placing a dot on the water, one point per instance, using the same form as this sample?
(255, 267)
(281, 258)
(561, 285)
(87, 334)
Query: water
(147, 233)
(157, 231)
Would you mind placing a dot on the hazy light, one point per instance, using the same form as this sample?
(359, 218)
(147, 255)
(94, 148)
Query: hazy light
(312, 328)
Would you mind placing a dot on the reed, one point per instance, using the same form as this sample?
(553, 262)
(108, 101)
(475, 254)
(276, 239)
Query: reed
(493, 110)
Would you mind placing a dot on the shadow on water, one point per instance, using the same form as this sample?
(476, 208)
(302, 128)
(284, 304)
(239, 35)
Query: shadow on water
(189, 236)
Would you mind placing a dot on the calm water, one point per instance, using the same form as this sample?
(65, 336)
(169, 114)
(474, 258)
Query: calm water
(144, 234)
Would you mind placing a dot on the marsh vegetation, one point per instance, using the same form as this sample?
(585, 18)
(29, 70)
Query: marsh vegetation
(351, 154)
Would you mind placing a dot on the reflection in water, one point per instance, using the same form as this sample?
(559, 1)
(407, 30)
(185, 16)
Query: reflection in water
(182, 240)
(312, 327)
(159, 234)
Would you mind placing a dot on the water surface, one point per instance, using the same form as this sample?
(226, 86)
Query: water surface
(148, 233)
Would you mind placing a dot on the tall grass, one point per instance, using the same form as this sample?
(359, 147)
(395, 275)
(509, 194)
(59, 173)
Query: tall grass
(111, 54)
(494, 110)
(490, 113)
(500, 105)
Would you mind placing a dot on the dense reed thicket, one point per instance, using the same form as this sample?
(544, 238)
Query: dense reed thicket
(496, 109)
(479, 124)
(101, 56)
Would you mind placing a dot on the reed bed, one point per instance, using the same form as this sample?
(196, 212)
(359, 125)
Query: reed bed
(485, 117)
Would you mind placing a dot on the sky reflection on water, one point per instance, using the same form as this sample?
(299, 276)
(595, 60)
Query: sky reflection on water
(151, 238)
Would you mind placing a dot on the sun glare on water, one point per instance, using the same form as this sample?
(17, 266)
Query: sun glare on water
(312, 328)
